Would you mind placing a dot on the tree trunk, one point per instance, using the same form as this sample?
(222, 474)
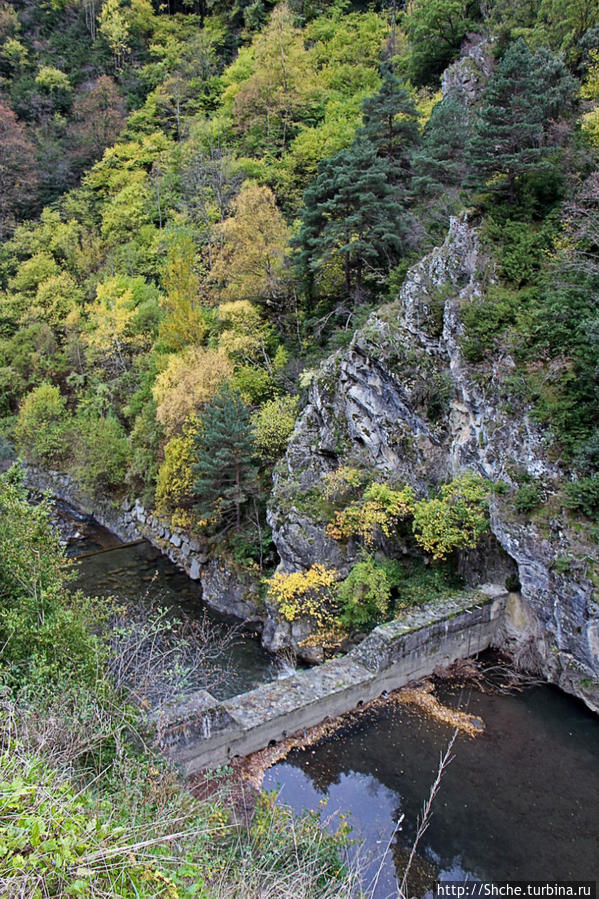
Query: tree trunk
(238, 494)
(347, 274)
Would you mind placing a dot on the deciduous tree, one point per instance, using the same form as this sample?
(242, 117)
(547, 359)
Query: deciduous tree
(251, 264)
(18, 176)
(189, 381)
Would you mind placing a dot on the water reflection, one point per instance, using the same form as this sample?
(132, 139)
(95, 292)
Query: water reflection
(518, 802)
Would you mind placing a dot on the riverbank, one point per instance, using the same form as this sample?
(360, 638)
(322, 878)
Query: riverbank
(225, 588)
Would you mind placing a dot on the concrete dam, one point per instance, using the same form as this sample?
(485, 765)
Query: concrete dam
(202, 731)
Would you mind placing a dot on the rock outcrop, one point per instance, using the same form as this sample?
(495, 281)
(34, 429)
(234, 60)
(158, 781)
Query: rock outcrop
(466, 78)
(403, 402)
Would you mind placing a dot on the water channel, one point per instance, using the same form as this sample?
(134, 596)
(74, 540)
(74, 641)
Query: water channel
(105, 567)
(520, 801)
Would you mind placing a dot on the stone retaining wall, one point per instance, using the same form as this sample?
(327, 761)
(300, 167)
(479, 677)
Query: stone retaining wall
(223, 588)
(203, 732)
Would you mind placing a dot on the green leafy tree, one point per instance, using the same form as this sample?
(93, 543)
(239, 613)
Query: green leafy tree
(436, 29)
(352, 215)
(511, 138)
(101, 454)
(43, 427)
(223, 450)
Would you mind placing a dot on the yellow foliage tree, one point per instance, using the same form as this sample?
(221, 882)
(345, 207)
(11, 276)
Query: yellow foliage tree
(174, 487)
(185, 323)
(251, 263)
(244, 336)
(111, 333)
(190, 379)
(281, 86)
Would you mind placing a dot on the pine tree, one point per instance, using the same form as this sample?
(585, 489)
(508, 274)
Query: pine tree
(391, 122)
(439, 163)
(352, 211)
(510, 139)
(223, 449)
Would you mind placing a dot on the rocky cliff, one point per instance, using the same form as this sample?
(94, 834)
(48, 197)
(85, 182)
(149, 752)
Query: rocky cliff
(402, 402)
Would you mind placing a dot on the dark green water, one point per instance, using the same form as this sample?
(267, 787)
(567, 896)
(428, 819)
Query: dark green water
(141, 574)
(521, 801)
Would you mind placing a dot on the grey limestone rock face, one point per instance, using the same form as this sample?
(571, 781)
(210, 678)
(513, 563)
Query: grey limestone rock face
(403, 402)
(466, 78)
(225, 590)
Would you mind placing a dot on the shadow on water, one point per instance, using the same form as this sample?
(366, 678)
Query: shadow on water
(518, 802)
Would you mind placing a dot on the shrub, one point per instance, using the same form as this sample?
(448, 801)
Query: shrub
(378, 512)
(54, 834)
(45, 632)
(583, 496)
(527, 498)
(341, 484)
(304, 594)
(457, 519)
(365, 594)
(42, 431)
(273, 425)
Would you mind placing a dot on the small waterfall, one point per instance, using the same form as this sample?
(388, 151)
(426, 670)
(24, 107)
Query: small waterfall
(286, 662)
(206, 727)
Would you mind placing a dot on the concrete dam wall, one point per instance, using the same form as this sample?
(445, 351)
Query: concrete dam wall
(203, 731)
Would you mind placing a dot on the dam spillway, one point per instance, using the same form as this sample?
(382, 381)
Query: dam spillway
(203, 732)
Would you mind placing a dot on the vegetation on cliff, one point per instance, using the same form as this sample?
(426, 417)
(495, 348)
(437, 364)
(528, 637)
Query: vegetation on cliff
(89, 808)
(200, 201)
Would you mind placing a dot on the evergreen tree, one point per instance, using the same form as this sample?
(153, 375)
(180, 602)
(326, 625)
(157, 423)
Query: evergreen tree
(223, 449)
(352, 212)
(524, 95)
(439, 163)
(391, 122)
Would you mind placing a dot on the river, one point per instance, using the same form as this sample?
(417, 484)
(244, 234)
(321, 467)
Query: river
(141, 573)
(520, 801)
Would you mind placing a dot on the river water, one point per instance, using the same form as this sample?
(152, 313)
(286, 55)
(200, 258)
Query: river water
(140, 573)
(520, 801)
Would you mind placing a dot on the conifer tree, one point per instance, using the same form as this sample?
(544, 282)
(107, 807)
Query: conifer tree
(223, 449)
(352, 212)
(510, 139)
(391, 122)
(439, 163)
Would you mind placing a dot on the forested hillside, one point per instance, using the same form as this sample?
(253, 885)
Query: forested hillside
(261, 177)
(347, 249)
